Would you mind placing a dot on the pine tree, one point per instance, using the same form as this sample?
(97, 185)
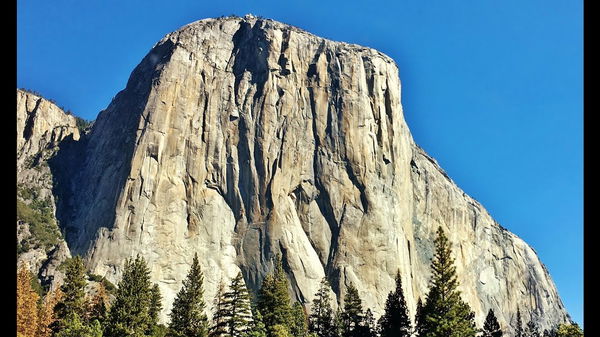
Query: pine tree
(279, 330)
(418, 318)
(155, 303)
(444, 312)
(352, 316)
(368, 328)
(491, 327)
(519, 326)
(219, 326)
(321, 318)
(237, 311)
(531, 330)
(27, 309)
(155, 306)
(299, 326)
(73, 293)
(338, 323)
(187, 315)
(129, 315)
(395, 321)
(257, 327)
(274, 301)
(46, 317)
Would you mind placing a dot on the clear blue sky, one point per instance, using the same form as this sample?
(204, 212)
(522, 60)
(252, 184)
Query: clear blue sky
(492, 89)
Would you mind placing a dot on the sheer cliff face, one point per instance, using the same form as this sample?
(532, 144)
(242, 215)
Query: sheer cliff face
(240, 138)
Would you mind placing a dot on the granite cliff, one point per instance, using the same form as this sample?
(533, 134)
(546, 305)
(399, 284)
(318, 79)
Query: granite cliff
(240, 138)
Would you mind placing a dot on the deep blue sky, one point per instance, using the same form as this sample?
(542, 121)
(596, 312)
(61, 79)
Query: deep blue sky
(492, 89)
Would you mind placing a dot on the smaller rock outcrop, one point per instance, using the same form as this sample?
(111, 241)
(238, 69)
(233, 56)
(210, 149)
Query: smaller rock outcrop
(41, 129)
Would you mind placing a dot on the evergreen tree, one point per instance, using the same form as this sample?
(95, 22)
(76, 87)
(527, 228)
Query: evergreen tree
(279, 330)
(219, 326)
(237, 313)
(531, 330)
(491, 327)
(27, 310)
(321, 318)
(274, 301)
(74, 326)
(299, 326)
(187, 316)
(155, 303)
(130, 313)
(257, 327)
(160, 331)
(338, 323)
(352, 316)
(155, 306)
(368, 328)
(418, 317)
(445, 313)
(569, 330)
(73, 293)
(519, 326)
(550, 333)
(395, 321)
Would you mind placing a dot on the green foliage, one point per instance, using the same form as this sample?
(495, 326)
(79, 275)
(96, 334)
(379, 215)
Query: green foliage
(235, 310)
(219, 325)
(274, 301)
(395, 321)
(187, 315)
(569, 330)
(23, 247)
(74, 326)
(42, 226)
(36, 285)
(444, 312)
(110, 288)
(338, 323)
(155, 303)
(72, 304)
(491, 327)
(160, 330)
(257, 327)
(279, 330)
(131, 312)
(352, 315)
(82, 124)
(321, 319)
(298, 326)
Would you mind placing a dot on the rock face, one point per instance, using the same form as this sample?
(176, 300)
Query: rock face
(41, 128)
(241, 138)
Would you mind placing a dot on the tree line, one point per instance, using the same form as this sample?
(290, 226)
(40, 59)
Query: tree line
(68, 312)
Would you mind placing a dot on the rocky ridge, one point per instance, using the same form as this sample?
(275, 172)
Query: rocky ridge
(41, 128)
